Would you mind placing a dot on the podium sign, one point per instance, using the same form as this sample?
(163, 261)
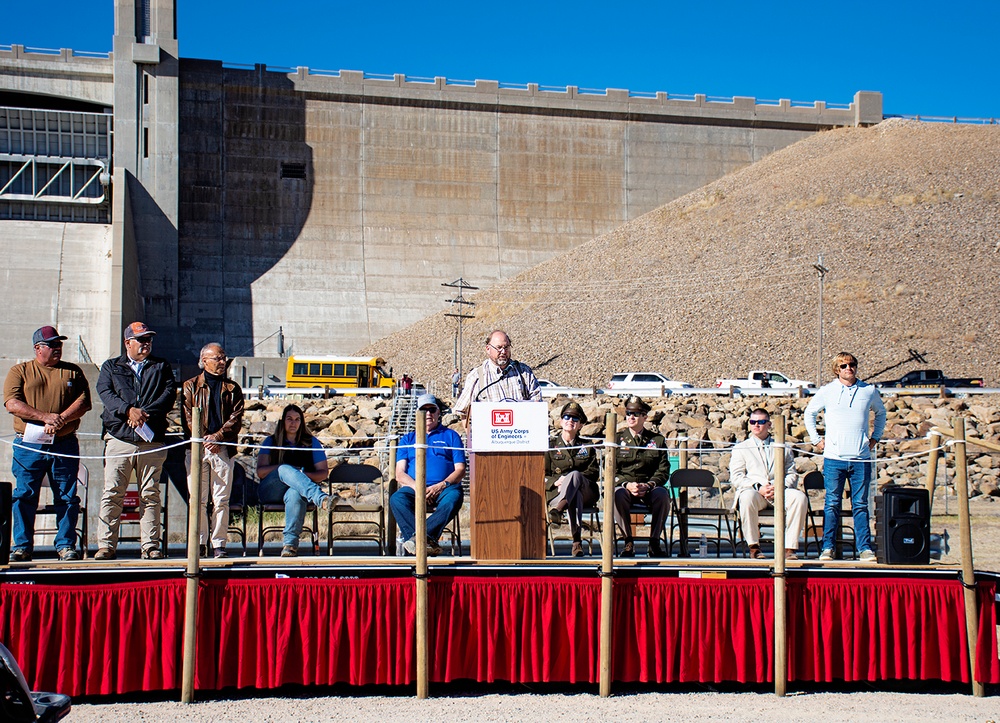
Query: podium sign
(510, 427)
(507, 495)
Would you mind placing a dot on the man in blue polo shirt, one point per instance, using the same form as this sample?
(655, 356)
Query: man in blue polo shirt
(445, 468)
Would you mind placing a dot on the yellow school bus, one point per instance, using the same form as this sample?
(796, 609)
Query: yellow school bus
(337, 371)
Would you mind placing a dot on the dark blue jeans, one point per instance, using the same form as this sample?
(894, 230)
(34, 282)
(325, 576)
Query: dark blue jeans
(835, 473)
(403, 503)
(31, 462)
(293, 487)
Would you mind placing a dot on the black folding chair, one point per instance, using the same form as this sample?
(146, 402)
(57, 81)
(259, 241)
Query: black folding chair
(845, 533)
(708, 518)
(18, 703)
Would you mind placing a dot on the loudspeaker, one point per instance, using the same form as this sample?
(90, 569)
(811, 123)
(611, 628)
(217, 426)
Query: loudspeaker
(6, 501)
(903, 526)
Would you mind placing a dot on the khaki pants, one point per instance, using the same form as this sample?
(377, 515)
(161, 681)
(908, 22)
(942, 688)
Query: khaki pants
(217, 475)
(145, 460)
(751, 502)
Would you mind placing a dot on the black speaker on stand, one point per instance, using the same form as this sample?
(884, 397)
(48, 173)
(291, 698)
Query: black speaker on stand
(903, 526)
(6, 502)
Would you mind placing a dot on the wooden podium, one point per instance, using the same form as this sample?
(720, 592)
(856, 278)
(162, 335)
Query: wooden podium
(507, 496)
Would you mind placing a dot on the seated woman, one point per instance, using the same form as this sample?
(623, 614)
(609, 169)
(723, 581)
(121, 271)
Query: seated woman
(571, 472)
(291, 475)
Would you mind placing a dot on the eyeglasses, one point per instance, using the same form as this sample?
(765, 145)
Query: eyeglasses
(142, 339)
(431, 410)
(499, 349)
(216, 358)
(635, 414)
(759, 421)
(51, 344)
(852, 365)
(570, 418)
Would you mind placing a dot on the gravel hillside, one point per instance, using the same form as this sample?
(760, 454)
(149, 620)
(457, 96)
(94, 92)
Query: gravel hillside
(906, 216)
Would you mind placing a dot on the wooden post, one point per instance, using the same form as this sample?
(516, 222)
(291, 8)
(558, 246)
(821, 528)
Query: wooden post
(932, 466)
(390, 520)
(420, 539)
(780, 612)
(607, 550)
(965, 533)
(682, 525)
(191, 588)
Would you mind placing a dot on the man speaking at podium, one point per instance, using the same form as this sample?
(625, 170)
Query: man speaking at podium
(499, 378)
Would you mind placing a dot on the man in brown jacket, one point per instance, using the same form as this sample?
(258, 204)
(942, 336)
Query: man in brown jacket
(221, 403)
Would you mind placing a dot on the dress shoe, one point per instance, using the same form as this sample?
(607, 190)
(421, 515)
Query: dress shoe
(655, 550)
(68, 553)
(153, 553)
(756, 553)
(105, 553)
(577, 549)
(20, 556)
(289, 551)
(628, 550)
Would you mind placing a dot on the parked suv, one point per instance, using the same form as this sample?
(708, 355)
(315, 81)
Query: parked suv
(643, 383)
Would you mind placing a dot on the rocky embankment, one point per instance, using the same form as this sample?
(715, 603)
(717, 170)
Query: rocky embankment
(355, 427)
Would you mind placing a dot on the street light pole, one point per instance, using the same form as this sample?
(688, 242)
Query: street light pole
(822, 271)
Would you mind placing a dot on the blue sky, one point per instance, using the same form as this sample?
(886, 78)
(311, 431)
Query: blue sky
(928, 58)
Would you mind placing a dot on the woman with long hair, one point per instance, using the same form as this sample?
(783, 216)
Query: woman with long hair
(290, 464)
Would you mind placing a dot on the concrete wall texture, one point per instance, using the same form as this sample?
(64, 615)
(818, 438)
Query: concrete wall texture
(408, 185)
(335, 205)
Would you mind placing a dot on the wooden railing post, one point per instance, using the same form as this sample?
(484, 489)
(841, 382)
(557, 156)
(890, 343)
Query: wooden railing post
(780, 609)
(420, 539)
(191, 587)
(607, 550)
(968, 569)
(932, 465)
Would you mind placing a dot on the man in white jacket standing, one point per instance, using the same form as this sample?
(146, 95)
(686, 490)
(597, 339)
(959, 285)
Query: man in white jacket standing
(848, 403)
(751, 474)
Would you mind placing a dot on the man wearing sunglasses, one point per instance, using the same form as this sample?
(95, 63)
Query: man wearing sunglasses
(47, 397)
(751, 474)
(847, 403)
(571, 470)
(138, 391)
(642, 471)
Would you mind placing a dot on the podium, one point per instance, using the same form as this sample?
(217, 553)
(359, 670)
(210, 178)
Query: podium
(507, 480)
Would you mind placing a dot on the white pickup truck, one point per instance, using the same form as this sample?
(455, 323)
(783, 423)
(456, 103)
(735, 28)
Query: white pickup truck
(765, 379)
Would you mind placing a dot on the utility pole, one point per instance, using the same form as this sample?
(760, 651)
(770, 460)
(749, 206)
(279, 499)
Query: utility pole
(822, 271)
(462, 302)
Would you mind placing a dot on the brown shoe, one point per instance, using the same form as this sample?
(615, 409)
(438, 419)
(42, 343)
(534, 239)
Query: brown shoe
(790, 555)
(756, 553)
(153, 553)
(577, 549)
(289, 551)
(105, 553)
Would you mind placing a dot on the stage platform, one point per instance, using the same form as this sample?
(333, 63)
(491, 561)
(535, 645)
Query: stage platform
(97, 629)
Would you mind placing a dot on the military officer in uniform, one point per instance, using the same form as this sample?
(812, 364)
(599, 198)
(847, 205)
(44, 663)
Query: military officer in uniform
(643, 471)
(571, 472)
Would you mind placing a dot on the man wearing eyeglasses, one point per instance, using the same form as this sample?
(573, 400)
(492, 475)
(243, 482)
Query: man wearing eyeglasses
(221, 403)
(571, 470)
(751, 474)
(499, 378)
(444, 470)
(847, 403)
(47, 397)
(643, 468)
(138, 391)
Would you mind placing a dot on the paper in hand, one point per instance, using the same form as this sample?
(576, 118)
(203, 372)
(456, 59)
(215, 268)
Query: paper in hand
(36, 434)
(145, 432)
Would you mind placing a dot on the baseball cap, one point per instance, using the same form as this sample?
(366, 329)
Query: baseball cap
(427, 400)
(46, 333)
(137, 328)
